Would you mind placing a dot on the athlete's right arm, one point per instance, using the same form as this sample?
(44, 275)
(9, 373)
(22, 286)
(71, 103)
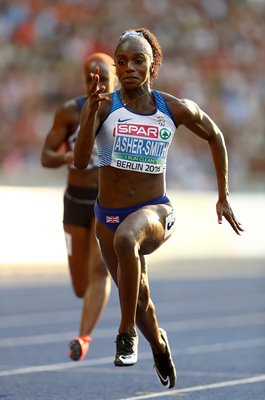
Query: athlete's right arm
(52, 155)
(89, 122)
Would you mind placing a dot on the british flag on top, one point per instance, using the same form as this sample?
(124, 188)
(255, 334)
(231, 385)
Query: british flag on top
(113, 219)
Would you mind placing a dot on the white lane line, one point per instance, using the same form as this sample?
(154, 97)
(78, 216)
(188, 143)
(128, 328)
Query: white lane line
(217, 385)
(60, 317)
(52, 317)
(216, 347)
(150, 372)
(51, 338)
(227, 321)
(230, 321)
(56, 367)
(219, 347)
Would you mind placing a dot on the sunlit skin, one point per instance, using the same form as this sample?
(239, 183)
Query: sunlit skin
(143, 231)
(90, 278)
(133, 64)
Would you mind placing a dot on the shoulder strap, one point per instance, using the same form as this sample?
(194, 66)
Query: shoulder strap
(116, 102)
(161, 103)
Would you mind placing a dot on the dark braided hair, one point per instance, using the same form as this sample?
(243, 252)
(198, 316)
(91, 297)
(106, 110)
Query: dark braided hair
(156, 49)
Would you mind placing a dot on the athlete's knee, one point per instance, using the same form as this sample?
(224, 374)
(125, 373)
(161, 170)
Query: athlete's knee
(79, 279)
(79, 290)
(99, 272)
(125, 244)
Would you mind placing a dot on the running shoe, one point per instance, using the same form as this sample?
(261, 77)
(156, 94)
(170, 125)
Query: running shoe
(126, 350)
(164, 365)
(78, 347)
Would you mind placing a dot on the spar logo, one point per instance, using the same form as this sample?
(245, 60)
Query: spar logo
(165, 133)
(146, 131)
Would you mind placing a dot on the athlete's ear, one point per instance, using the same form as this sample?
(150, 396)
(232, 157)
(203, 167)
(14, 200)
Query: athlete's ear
(152, 68)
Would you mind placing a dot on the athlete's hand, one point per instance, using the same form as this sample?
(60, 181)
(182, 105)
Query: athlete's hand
(224, 209)
(95, 92)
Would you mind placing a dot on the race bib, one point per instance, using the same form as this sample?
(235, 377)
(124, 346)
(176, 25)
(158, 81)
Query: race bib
(141, 148)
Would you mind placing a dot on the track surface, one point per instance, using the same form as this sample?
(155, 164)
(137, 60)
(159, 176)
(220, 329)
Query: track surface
(216, 328)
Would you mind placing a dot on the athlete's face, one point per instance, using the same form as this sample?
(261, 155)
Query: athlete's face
(107, 75)
(133, 60)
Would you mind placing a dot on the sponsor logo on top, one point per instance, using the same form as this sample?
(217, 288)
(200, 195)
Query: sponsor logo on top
(138, 130)
(165, 133)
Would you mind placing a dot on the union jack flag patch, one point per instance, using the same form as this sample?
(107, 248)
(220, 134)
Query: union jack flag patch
(112, 219)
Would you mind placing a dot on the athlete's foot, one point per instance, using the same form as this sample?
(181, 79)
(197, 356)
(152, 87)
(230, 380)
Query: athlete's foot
(126, 350)
(164, 364)
(78, 347)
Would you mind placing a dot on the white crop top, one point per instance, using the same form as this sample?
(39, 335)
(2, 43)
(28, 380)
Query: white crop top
(135, 142)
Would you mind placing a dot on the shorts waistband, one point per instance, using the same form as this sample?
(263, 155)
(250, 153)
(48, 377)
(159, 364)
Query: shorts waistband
(157, 200)
(81, 195)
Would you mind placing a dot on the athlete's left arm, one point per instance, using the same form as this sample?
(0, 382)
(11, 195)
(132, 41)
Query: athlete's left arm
(197, 121)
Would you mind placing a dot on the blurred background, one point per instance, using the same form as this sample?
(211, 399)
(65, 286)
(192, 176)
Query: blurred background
(214, 53)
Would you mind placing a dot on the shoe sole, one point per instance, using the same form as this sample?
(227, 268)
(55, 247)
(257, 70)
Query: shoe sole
(125, 363)
(75, 351)
(120, 364)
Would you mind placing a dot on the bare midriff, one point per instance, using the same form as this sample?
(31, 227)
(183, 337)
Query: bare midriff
(121, 188)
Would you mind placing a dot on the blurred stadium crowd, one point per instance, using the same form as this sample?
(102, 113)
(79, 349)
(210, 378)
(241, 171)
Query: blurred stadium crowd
(214, 53)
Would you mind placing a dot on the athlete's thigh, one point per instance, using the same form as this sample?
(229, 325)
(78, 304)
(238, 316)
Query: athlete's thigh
(105, 238)
(78, 249)
(96, 262)
(149, 226)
